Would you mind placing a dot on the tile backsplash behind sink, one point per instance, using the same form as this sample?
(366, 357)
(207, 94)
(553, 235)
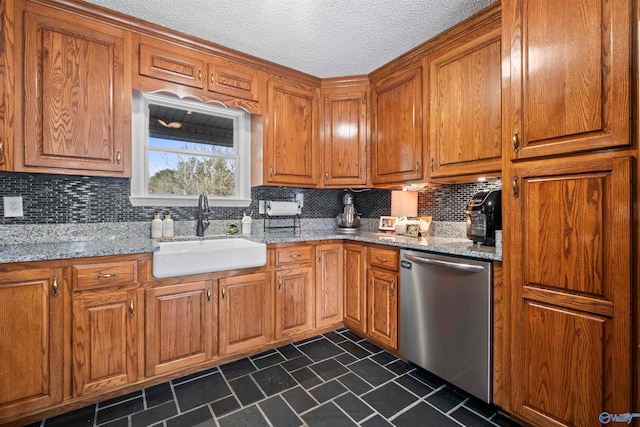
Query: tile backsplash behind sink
(62, 199)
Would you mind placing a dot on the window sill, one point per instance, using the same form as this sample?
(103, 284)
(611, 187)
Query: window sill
(188, 201)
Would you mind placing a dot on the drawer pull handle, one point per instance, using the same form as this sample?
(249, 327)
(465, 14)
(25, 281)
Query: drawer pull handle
(433, 161)
(208, 294)
(1, 148)
(131, 307)
(213, 78)
(516, 192)
(200, 75)
(280, 283)
(381, 259)
(118, 157)
(223, 292)
(417, 167)
(105, 276)
(516, 141)
(295, 256)
(54, 285)
(392, 289)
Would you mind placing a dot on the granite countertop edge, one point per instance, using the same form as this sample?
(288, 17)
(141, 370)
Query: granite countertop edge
(92, 248)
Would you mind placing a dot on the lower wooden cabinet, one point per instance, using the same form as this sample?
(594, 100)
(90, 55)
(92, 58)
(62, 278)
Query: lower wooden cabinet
(246, 312)
(293, 301)
(31, 337)
(180, 326)
(570, 259)
(355, 287)
(107, 327)
(382, 301)
(329, 284)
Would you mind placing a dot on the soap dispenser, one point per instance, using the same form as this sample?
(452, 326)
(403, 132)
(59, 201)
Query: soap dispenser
(156, 227)
(167, 226)
(246, 223)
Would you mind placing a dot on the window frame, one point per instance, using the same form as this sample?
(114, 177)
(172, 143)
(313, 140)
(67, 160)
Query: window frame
(140, 150)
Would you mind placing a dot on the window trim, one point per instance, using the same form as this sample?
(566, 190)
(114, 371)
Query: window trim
(140, 144)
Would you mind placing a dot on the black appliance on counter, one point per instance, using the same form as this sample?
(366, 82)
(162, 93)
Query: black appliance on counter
(484, 217)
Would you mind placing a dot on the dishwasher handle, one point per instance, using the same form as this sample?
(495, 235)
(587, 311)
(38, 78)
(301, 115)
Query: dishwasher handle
(448, 264)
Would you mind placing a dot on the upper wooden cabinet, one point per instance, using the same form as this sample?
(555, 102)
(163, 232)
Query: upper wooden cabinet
(231, 82)
(291, 153)
(32, 318)
(465, 107)
(570, 236)
(344, 134)
(76, 95)
(566, 71)
(396, 143)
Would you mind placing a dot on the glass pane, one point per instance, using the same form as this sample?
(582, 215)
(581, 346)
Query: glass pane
(182, 174)
(182, 128)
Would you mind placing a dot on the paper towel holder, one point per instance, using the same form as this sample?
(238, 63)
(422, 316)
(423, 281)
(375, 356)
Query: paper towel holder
(282, 223)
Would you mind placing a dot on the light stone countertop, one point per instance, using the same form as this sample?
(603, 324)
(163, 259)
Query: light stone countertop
(41, 251)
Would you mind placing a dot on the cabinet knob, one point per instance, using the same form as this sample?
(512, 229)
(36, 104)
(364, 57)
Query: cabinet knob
(223, 292)
(54, 285)
(118, 157)
(199, 75)
(516, 141)
(514, 184)
(279, 283)
(208, 294)
(213, 78)
(1, 149)
(417, 167)
(392, 289)
(431, 166)
(131, 308)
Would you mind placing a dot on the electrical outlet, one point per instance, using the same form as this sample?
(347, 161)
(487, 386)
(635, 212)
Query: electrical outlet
(12, 206)
(261, 207)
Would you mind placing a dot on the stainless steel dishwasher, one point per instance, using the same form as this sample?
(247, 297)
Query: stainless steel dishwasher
(445, 318)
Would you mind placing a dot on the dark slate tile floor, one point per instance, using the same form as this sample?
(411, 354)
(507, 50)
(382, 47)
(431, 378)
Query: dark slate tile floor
(335, 379)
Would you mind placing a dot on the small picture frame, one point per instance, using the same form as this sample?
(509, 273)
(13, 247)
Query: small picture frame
(387, 223)
(425, 225)
(412, 230)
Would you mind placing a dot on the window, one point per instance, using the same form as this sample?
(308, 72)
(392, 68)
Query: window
(182, 148)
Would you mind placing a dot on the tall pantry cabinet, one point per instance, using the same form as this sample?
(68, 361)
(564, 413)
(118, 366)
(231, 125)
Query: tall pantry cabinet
(568, 173)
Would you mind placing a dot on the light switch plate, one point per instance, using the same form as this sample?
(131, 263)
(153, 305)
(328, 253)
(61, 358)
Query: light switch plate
(12, 206)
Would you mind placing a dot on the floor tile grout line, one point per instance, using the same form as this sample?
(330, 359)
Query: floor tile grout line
(456, 407)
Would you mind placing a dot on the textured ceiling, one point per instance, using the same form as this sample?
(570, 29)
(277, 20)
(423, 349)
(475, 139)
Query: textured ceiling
(324, 38)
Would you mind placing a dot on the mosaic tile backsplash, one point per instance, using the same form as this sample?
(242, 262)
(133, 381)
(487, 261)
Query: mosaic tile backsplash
(59, 199)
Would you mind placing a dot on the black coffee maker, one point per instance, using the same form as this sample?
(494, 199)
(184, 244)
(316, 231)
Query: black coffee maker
(484, 217)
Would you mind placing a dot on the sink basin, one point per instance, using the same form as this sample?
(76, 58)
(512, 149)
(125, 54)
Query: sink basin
(206, 256)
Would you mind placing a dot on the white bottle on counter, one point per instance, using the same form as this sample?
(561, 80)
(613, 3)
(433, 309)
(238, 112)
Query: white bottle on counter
(246, 224)
(156, 227)
(167, 226)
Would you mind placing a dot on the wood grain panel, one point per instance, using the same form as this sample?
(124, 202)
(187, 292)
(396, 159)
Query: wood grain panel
(383, 307)
(294, 301)
(355, 285)
(567, 250)
(567, 75)
(179, 326)
(329, 284)
(246, 312)
(345, 136)
(466, 117)
(76, 95)
(32, 322)
(396, 151)
(564, 355)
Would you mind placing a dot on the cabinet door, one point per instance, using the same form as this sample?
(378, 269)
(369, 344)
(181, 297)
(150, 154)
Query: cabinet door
(396, 143)
(570, 262)
(294, 302)
(77, 99)
(172, 63)
(466, 117)
(383, 307)
(31, 315)
(107, 328)
(567, 76)
(180, 326)
(355, 285)
(329, 284)
(7, 84)
(246, 312)
(291, 152)
(345, 135)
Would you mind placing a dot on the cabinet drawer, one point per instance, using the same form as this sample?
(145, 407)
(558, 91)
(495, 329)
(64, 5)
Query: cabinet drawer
(293, 255)
(90, 276)
(383, 258)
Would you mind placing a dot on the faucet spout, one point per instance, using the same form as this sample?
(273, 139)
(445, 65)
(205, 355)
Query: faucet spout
(202, 220)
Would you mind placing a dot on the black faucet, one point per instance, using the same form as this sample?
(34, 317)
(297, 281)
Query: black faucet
(201, 215)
